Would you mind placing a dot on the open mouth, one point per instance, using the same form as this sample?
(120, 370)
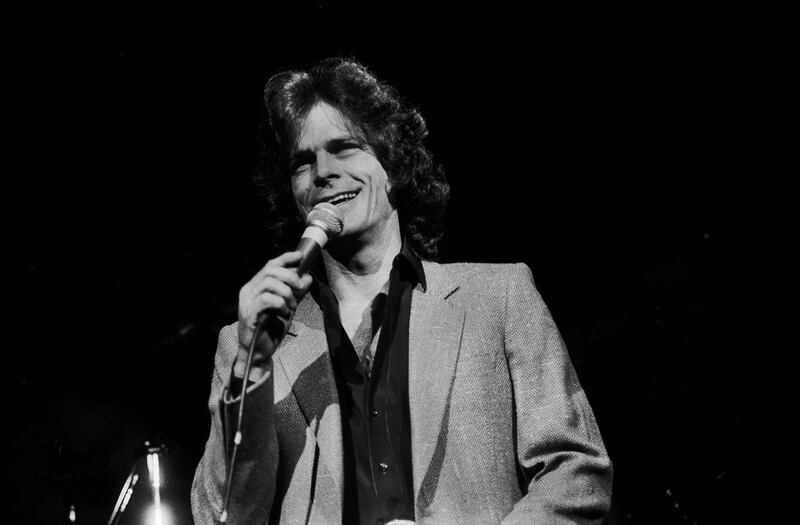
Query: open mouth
(343, 198)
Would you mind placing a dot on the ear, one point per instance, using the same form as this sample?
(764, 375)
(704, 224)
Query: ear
(390, 194)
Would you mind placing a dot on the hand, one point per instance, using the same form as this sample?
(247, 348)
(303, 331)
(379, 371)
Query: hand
(274, 291)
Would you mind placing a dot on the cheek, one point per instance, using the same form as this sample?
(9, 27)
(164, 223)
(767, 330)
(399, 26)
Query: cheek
(300, 193)
(383, 189)
(380, 179)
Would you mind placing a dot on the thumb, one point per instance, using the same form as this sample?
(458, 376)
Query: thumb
(305, 283)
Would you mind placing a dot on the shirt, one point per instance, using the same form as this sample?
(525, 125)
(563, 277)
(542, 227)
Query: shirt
(372, 381)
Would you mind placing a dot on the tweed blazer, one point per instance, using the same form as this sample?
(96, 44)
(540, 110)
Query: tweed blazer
(501, 430)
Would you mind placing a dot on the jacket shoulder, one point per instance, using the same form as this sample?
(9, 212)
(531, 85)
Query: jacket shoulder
(479, 273)
(478, 281)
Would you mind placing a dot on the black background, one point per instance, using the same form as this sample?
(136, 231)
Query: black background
(626, 154)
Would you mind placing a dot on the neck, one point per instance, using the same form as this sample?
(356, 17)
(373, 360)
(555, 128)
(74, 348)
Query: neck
(357, 272)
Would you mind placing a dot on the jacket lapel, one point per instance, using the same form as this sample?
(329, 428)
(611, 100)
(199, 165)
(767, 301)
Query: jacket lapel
(435, 333)
(304, 358)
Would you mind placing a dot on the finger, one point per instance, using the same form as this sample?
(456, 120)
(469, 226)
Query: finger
(304, 284)
(284, 260)
(270, 303)
(252, 298)
(287, 259)
(285, 275)
(271, 285)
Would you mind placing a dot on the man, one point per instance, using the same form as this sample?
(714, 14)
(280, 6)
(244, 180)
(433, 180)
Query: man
(403, 389)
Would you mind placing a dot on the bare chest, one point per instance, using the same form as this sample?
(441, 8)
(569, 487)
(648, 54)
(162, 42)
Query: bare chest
(351, 315)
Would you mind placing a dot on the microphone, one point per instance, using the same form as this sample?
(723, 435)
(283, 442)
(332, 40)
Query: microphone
(323, 223)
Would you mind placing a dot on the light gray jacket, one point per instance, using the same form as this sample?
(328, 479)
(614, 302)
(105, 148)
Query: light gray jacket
(501, 430)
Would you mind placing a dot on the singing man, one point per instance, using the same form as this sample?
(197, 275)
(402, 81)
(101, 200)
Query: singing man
(402, 389)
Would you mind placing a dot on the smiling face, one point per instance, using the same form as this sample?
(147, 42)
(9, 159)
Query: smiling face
(331, 165)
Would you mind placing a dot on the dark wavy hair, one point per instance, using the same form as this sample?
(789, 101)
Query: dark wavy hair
(378, 117)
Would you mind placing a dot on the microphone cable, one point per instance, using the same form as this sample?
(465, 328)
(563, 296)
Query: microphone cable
(237, 438)
(323, 222)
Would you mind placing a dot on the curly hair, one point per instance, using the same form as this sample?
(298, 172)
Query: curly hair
(378, 117)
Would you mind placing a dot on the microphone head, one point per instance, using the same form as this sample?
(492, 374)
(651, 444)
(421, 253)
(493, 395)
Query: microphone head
(328, 217)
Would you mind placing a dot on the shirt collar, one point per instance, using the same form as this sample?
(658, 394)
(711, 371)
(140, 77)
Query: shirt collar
(407, 262)
(410, 264)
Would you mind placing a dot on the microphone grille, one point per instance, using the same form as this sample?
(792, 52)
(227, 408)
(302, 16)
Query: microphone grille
(328, 217)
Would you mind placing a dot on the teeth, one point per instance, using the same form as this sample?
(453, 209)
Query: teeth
(344, 197)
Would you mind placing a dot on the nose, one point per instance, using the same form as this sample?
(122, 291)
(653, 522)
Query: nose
(326, 169)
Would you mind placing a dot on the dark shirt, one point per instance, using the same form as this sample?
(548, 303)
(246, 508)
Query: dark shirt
(373, 397)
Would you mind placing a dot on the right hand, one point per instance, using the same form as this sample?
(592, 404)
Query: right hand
(275, 290)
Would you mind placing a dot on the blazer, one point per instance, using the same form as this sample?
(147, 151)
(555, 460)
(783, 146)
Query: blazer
(501, 430)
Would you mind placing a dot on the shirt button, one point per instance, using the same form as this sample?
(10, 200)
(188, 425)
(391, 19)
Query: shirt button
(374, 412)
(384, 467)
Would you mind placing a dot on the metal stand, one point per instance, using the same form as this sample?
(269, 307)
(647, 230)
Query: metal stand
(151, 455)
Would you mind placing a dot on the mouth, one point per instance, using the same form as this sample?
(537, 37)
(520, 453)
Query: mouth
(340, 198)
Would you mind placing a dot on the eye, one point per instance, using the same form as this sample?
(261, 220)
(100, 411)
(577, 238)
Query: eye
(344, 148)
(299, 168)
(301, 163)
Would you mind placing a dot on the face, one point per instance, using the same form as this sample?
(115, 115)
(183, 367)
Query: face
(330, 165)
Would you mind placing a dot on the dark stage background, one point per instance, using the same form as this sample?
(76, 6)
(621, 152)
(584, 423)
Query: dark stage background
(623, 154)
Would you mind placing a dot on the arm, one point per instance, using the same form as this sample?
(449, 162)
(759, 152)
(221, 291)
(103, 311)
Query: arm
(274, 291)
(257, 456)
(560, 453)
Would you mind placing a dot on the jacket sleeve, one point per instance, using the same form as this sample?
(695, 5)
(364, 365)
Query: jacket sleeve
(560, 453)
(253, 485)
